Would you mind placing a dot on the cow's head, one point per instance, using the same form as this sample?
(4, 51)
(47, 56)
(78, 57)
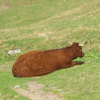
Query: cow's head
(77, 49)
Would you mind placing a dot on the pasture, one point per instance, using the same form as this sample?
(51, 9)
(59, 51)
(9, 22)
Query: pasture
(47, 24)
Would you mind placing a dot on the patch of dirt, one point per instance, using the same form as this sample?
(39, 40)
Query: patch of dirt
(35, 92)
(5, 6)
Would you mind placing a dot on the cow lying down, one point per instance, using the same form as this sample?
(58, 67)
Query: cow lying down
(38, 63)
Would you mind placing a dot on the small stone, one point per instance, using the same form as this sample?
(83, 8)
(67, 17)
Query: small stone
(17, 86)
(50, 84)
(11, 52)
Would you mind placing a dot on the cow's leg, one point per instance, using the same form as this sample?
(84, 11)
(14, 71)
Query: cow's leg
(76, 63)
(71, 64)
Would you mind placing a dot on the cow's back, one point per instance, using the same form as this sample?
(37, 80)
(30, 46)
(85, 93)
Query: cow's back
(24, 56)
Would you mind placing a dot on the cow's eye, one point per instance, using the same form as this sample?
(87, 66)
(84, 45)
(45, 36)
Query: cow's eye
(77, 48)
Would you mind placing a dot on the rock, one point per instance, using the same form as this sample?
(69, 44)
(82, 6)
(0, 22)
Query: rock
(17, 86)
(14, 51)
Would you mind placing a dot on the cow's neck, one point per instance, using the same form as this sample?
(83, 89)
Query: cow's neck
(70, 52)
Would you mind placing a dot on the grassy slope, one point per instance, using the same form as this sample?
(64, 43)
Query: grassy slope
(46, 24)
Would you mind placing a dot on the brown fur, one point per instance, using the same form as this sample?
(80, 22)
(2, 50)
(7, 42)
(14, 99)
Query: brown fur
(38, 63)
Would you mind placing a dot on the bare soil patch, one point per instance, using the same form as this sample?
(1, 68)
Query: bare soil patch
(35, 92)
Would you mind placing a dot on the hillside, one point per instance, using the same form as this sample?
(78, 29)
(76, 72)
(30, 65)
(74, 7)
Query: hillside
(48, 24)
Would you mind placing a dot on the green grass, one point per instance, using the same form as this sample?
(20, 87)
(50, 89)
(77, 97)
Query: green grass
(7, 83)
(47, 24)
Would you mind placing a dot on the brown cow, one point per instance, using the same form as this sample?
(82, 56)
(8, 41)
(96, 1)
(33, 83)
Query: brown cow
(38, 63)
